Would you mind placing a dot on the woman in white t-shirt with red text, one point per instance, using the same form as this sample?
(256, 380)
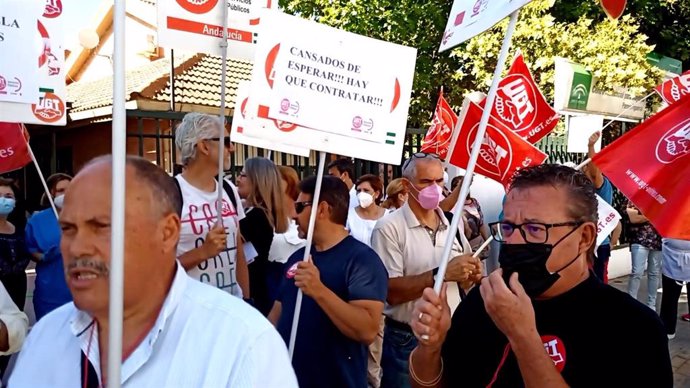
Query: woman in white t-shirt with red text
(210, 253)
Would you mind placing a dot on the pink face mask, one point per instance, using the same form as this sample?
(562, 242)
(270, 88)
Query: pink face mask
(429, 197)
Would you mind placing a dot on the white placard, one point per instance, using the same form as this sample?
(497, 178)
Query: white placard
(49, 108)
(580, 128)
(608, 219)
(247, 130)
(469, 18)
(18, 61)
(349, 91)
(197, 25)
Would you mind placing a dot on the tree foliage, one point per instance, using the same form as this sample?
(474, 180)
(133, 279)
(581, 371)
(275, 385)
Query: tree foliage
(614, 50)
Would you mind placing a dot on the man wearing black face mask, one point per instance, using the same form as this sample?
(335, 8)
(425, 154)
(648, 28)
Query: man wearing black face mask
(530, 322)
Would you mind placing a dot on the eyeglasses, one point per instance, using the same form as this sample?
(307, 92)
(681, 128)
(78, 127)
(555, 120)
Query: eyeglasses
(300, 206)
(226, 140)
(532, 232)
(420, 155)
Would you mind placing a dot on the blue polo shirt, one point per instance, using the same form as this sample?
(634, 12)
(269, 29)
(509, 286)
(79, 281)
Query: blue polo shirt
(323, 356)
(42, 234)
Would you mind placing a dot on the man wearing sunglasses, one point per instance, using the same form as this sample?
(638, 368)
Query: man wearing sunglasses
(410, 242)
(344, 285)
(543, 319)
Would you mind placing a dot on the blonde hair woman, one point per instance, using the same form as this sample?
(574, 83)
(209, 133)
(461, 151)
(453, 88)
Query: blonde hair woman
(259, 184)
(396, 195)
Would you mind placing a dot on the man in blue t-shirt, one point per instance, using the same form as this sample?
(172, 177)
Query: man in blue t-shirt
(604, 189)
(344, 286)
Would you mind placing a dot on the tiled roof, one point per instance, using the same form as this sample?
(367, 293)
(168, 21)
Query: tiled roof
(197, 82)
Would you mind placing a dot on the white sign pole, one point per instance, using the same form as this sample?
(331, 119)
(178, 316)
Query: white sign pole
(310, 235)
(117, 238)
(475, 150)
(221, 135)
(40, 175)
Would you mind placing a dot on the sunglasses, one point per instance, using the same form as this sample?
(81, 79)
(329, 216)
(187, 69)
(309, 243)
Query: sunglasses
(420, 155)
(300, 206)
(226, 140)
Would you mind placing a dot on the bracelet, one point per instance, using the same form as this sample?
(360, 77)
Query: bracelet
(420, 382)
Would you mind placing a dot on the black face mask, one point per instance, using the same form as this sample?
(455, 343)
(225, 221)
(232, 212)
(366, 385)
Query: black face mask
(529, 261)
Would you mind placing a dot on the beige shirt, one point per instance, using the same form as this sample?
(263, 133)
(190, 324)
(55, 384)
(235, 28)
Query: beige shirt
(406, 248)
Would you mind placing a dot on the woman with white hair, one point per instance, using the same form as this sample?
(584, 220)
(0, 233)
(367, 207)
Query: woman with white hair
(210, 252)
(260, 185)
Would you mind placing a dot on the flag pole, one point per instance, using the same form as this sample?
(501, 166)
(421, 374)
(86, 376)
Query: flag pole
(500, 65)
(40, 175)
(119, 147)
(307, 248)
(221, 135)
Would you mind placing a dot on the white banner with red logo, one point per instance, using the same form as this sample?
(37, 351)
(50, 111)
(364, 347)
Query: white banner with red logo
(469, 18)
(675, 88)
(14, 151)
(521, 106)
(608, 219)
(503, 152)
(651, 164)
(49, 107)
(197, 25)
(346, 93)
(247, 130)
(18, 63)
(439, 135)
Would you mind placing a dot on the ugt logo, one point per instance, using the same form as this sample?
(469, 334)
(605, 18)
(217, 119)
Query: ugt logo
(674, 144)
(515, 102)
(495, 153)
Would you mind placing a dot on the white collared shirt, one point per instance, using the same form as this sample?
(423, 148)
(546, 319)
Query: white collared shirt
(203, 337)
(406, 248)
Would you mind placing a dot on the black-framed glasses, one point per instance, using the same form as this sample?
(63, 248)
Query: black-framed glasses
(420, 155)
(532, 232)
(300, 206)
(226, 140)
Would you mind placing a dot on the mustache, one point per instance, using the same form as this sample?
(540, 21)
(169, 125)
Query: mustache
(98, 266)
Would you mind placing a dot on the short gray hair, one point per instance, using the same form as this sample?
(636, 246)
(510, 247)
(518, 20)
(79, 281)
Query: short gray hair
(195, 127)
(410, 166)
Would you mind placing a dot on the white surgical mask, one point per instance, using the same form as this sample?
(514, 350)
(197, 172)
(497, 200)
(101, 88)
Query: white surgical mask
(59, 200)
(365, 199)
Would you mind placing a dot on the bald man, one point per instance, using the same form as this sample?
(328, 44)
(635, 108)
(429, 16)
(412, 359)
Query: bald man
(176, 331)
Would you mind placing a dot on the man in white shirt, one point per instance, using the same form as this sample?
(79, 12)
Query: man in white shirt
(13, 324)
(410, 242)
(210, 253)
(177, 332)
(342, 168)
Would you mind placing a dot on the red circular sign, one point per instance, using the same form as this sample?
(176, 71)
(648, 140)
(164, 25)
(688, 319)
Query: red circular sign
(495, 151)
(49, 109)
(674, 144)
(197, 6)
(53, 9)
(555, 348)
(516, 103)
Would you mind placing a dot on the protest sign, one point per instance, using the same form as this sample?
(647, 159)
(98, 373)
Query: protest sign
(18, 65)
(243, 126)
(502, 151)
(49, 108)
(608, 219)
(650, 165)
(580, 128)
(346, 93)
(197, 25)
(470, 18)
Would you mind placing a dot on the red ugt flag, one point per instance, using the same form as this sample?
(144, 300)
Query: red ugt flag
(438, 137)
(503, 152)
(520, 105)
(651, 166)
(14, 153)
(675, 88)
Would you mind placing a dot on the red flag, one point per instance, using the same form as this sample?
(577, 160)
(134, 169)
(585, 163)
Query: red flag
(503, 152)
(14, 153)
(437, 139)
(651, 166)
(521, 106)
(614, 8)
(675, 88)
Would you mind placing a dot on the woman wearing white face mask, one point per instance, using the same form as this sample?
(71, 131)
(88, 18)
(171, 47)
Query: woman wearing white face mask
(362, 219)
(13, 255)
